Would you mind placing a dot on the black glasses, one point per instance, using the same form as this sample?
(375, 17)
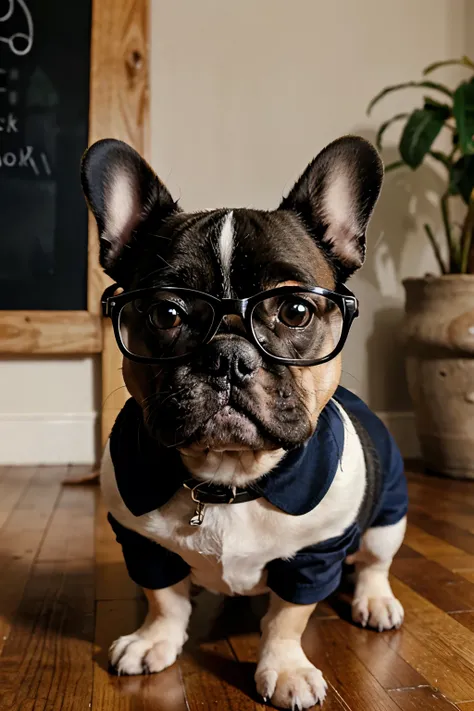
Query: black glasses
(292, 325)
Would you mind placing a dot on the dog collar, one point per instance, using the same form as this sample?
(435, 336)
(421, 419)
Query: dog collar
(205, 492)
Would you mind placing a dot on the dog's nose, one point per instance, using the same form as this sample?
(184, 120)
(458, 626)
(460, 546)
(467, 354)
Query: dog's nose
(232, 358)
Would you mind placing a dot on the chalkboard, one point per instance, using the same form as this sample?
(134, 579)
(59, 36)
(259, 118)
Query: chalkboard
(44, 107)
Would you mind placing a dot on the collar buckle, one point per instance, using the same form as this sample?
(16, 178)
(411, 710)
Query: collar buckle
(204, 492)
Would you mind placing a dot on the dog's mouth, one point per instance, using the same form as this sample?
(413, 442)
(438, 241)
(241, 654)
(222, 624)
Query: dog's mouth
(235, 419)
(230, 429)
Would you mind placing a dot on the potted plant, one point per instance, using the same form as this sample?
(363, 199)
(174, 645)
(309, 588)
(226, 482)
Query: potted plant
(439, 324)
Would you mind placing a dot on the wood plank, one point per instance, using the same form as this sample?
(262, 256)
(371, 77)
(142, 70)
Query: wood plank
(15, 481)
(430, 488)
(449, 532)
(119, 108)
(70, 535)
(326, 645)
(422, 699)
(20, 538)
(50, 332)
(383, 662)
(435, 645)
(464, 618)
(448, 591)
(436, 549)
(448, 511)
(431, 500)
(46, 663)
(441, 484)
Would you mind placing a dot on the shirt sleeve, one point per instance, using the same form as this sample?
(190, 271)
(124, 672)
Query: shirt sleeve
(314, 572)
(148, 564)
(393, 504)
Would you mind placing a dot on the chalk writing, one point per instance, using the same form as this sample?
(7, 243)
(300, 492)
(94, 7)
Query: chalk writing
(20, 43)
(8, 123)
(12, 75)
(44, 160)
(25, 158)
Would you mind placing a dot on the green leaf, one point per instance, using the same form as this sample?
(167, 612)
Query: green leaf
(463, 110)
(441, 157)
(432, 104)
(418, 135)
(413, 84)
(463, 62)
(393, 166)
(385, 125)
(462, 178)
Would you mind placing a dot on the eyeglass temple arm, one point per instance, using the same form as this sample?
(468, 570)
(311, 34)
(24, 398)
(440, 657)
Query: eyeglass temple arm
(106, 296)
(342, 289)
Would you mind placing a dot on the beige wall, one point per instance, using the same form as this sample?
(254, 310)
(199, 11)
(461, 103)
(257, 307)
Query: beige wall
(244, 94)
(48, 410)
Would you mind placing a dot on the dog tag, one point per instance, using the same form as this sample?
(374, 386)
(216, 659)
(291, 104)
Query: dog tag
(198, 517)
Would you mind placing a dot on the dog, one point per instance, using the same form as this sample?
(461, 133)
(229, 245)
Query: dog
(239, 464)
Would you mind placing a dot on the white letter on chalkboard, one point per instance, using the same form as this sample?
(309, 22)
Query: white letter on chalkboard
(27, 38)
(11, 124)
(9, 160)
(25, 156)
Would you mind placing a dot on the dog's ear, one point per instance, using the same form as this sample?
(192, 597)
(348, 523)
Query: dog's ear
(335, 197)
(121, 190)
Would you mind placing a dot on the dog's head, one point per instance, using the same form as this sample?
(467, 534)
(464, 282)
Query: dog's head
(235, 391)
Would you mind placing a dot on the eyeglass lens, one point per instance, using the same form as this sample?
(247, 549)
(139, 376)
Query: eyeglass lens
(297, 326)
(165, 325)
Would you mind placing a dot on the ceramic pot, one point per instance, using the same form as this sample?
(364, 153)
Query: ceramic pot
(439, 342)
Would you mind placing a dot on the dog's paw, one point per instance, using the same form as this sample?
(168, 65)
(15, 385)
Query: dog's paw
(381, 613)
(291, 687)
(133, 654)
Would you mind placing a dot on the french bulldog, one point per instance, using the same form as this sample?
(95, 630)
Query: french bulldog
(239, 464)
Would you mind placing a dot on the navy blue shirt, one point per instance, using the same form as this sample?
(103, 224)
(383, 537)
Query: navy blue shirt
(296, 486)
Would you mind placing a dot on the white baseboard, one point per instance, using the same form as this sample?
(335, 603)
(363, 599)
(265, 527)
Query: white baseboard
(402, 427)
(48, 438)
(71, 438)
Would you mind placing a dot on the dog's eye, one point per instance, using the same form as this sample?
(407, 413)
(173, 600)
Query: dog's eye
(165, 315)
(295, 313)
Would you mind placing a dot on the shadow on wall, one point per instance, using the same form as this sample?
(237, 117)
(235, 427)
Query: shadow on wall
(397, 248)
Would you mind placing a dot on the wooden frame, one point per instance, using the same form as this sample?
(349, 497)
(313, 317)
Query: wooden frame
(119, 108)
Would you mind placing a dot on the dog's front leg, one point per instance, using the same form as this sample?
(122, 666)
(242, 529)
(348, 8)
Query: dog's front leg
(157, 643)
(284, 673)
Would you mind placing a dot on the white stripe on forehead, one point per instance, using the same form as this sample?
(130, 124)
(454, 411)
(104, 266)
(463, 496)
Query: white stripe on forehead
(226, 248)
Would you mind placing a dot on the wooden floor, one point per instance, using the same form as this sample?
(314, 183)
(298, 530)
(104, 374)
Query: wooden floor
(65, 595)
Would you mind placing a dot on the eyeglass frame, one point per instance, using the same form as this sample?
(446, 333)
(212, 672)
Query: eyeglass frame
(346, 301)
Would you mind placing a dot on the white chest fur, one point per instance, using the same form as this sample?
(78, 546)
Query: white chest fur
(229, 551)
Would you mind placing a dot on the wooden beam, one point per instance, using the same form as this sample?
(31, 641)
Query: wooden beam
(119, 108)
(49, 332)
